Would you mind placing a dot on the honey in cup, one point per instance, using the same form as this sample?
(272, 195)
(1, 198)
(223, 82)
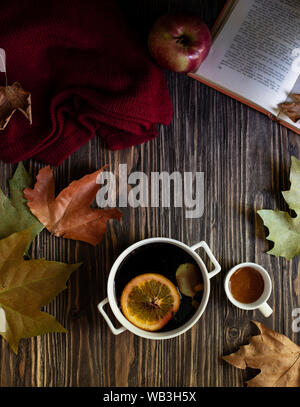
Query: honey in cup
(246, 285)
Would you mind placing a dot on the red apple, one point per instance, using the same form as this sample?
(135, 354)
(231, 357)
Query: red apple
(179, 42)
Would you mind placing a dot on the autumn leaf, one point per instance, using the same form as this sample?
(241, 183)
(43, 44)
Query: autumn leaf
(14, 212)
(25, 287)
(69, 215)
(275, 355)
(284, 230)
(292, 109)
(13, 98)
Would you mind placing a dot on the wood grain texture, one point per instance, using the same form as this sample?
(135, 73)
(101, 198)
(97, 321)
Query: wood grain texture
(246, 160)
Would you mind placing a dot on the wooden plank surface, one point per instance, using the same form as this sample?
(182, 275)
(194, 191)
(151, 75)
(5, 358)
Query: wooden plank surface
(246, 159)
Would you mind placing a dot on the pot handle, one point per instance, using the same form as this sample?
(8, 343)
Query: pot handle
(205, 246)
(115, 331)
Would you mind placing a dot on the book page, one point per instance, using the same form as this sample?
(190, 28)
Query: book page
(252, 56)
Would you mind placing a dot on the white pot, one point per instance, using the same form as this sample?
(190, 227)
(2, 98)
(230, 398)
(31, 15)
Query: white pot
(112, 300)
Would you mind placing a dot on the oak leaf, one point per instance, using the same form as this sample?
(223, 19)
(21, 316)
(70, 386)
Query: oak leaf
(275, 355)
(14, 212)
(284, 230)
(292, 109)
(13, 98)
(25, 287)
(69, 215)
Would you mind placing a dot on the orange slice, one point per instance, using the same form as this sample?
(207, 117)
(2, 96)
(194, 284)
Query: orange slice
(149, 301)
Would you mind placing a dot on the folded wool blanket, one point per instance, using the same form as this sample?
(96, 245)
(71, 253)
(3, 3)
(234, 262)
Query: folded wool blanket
(87, 72)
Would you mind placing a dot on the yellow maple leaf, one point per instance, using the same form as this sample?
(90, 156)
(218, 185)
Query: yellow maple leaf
(25, 287)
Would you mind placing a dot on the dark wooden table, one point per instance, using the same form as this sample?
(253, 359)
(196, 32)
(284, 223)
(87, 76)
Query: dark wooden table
(246, 160)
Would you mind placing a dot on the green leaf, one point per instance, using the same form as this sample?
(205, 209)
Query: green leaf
(284, 230)
(25, 287)
(14, 212)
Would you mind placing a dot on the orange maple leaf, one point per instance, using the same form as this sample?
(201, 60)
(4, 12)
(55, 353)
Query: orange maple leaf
(69, 215)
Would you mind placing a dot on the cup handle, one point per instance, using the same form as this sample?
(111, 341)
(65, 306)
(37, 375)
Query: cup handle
(115, 331)
(214, 261)
(265, 309)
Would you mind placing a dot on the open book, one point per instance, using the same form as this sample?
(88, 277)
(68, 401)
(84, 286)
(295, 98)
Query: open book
(255, 55)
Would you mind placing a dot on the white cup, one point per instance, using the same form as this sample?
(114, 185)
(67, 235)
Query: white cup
(261, 302)
(111, 299)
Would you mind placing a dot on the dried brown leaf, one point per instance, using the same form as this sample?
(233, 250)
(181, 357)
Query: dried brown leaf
(277, 357)
(14, 98)
(292, 109)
